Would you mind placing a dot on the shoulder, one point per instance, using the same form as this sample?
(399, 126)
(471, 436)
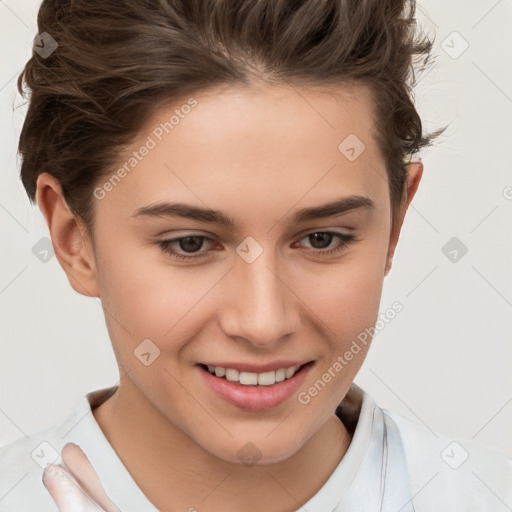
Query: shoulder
(22, 461)
(21, 469)
(448, 474)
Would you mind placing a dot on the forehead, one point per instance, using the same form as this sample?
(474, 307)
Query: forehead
(261, 144)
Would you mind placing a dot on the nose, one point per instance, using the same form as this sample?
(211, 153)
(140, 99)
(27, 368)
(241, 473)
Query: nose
(262, 307)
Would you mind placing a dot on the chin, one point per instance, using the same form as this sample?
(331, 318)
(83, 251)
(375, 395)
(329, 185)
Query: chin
(254, 453)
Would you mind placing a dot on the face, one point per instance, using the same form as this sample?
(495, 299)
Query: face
(279, 281)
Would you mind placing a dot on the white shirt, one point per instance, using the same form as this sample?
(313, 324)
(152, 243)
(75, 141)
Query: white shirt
(391, 465)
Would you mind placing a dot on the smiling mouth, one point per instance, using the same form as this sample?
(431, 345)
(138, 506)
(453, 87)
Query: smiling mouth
(254, 379)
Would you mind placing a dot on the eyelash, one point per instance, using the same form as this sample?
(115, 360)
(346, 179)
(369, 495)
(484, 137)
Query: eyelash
(165, 245)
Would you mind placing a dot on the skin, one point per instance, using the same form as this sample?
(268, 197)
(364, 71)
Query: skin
(176, 437)
(74, 485)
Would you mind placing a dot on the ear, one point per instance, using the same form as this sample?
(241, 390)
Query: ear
(414, 174)
(71, 244)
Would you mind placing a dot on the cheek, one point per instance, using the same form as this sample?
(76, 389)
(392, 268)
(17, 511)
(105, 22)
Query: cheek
(138, 300)
(346, 308)
(345, 301)
(144, 298)
(346, 296)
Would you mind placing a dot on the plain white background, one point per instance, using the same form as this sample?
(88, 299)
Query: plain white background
(444, 361)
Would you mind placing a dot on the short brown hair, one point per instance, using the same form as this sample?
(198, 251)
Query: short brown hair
(117, 61)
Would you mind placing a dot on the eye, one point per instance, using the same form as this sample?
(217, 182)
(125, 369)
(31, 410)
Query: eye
(186, 247)
(187, 244)
(322, 239)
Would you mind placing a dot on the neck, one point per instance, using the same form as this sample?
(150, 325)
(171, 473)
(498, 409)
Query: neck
(169, 467)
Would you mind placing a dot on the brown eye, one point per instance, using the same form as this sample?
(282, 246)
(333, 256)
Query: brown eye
(322, 239)
(183, 248)
(191, 243)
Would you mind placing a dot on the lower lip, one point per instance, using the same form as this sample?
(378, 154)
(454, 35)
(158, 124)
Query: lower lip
(255, 398)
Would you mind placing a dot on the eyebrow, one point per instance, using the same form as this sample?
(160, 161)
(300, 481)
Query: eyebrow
(170, 210)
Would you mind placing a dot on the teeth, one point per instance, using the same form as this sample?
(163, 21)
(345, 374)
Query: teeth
(248, 378)
(290, 371)
(280, 375)
(266, 378)
(251, 378)
(232, 375)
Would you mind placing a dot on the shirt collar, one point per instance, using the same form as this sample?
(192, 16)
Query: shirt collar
(354, 483)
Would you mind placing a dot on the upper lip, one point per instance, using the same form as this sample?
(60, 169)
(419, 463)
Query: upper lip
(258, 368)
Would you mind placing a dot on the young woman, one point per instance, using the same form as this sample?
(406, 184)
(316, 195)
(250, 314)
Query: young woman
(230, 178)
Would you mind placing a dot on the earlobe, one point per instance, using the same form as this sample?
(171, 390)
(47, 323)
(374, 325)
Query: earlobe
(414, 174)
(68, 236)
